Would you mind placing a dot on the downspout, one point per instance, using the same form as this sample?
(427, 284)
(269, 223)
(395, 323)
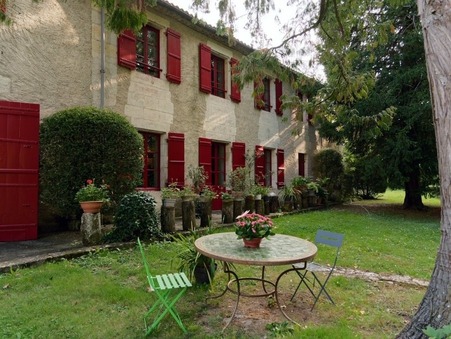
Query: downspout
(102, 57)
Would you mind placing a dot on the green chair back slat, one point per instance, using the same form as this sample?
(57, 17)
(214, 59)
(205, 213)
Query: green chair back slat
(167, 282)
(183, 280)
(173, 281)
(161, 284)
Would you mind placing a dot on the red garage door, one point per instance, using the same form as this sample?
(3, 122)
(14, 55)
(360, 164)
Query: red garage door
(19, 164)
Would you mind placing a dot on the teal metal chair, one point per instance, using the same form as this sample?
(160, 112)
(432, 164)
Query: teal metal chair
(326, 238)
(168, 288)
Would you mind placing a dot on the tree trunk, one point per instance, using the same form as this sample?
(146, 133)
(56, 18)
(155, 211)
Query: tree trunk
(435, 309)
(412, 199)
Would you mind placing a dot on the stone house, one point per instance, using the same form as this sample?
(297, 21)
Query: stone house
(173, 81)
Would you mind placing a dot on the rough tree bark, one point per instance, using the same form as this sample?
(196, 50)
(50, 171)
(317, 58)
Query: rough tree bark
(435, 309)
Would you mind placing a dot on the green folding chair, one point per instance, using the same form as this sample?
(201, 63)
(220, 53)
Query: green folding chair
(168, 288)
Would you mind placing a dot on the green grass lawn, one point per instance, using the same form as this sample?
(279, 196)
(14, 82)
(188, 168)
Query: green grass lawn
(104, 294)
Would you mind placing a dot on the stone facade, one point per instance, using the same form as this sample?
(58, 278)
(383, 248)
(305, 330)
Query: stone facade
(51, 55)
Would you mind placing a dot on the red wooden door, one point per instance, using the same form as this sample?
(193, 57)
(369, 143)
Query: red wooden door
(19, 165)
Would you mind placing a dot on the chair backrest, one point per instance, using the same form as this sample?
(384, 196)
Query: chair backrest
(329, 238)
(332, 239)
(146, 266)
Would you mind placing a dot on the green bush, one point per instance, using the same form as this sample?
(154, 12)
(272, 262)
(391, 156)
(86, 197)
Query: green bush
(368, 176)
(87, 143)
(136, 216)
(328, 164)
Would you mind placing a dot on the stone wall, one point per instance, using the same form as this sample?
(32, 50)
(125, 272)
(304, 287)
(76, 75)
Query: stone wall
(51, 55)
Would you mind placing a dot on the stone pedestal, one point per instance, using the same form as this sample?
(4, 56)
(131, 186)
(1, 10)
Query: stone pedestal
(205, 212)
(274, 204)
(227, 211)
(249, 203)
(259, 206)
(237, 207)
(188, 215)
(91, 229)
(168, 219)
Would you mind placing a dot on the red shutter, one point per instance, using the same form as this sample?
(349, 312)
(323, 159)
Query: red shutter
(258, 101)
(235, 93)
(278, 84)
(176, 158)
(3, 6)
(174, 56)
(204, 68)
(238, 155)
(205, 157)
(260, 165)
(126, 49)
(19, 171)
(280, 168)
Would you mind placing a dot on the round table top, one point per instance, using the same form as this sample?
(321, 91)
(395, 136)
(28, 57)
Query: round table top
(279, 249)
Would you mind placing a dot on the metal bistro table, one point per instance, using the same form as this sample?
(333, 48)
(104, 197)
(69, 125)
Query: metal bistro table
(278, 250)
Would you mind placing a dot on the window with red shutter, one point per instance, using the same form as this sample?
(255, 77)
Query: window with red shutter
(238, 155)
(204, 68)
(174, 56)
(205, 157)
(235, 93)
(176, 158)
(218, 161)
(148, 51)
(263, 99)
(217, 76)
(278, 85)
(260, 164)
(126, 49)
(280, 168)
(151, 170)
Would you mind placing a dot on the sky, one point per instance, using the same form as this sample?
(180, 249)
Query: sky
(272, 28)
(241, 33)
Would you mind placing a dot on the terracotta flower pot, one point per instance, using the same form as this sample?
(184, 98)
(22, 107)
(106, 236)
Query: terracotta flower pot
(91, 206)
(252, 243)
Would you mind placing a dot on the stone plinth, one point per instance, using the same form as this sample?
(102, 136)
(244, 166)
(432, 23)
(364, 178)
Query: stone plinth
(91, 229)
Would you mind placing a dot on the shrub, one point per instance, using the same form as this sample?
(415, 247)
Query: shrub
(136, 216)
(368, 176)
(87, 143)
(328, 163)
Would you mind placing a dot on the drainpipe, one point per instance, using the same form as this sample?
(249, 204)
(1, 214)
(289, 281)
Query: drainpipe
(102, 57)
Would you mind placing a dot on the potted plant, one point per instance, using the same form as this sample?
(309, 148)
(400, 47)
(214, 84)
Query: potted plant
(170, 194)
(208, 193)
(288, 195)
(91, 197)
(187, 193)
(237, 181)
(313, 188)
(194, 264)
(198, 178)
(260, 191)
(252, 228)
